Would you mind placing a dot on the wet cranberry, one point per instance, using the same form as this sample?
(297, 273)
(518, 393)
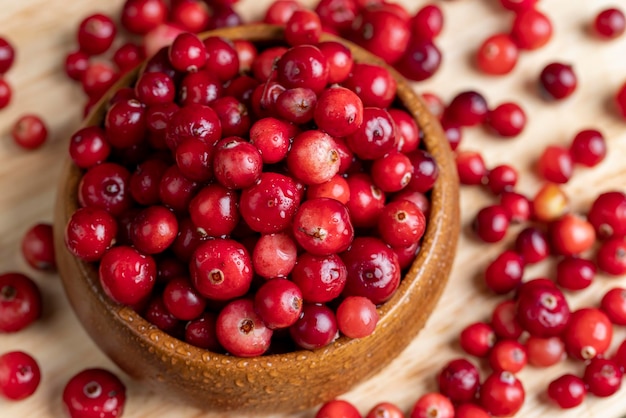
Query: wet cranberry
(375, 137)
(182, 300)
(272, 137)
(322, 226)
(278, 302)
(89, 147)
(154, 229)
(339, 111)
(234, 116)
(105, 186)
(567, 391)
(20, 302)
(19, 375)
(401, 223)
(94, 392)
(366, 200)
(96, 34)
(237, 164)
(89, 233)
(502, 394)
(193, 121)
(126, 275)
(459, 380)
(201, 332)
(316, 327)
(313, 157)
(320, 278)
(125, 123)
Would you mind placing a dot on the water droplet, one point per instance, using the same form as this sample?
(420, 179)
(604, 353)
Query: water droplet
(239, 383)
(302, 357)
(251, 378)
(206, 357)
(269, 390)
(226, 361)
(273, 373)
(154, 336)
(242, 364)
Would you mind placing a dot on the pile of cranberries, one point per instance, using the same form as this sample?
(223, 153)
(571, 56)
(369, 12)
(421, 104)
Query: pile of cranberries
(244, 199)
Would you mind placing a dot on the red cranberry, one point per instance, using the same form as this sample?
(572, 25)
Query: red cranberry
(339, 111)
(20, 302)
(224, 16)
(470, 167)
(94, 392)
(504, 321)
(502, 394)
(194, 159)
(279, 12)
(611, 257)
(187, 53)
(336, 188)
(246, 54)
(155, 88)
(401, 223)
(543, 311)
(234, 116)
(357, 317)
(453, 133)
(182, 300)
(467, 108)
(96, 34)
(425, 171)
(501, 178)
(544, 352)
(29, 132)
(126, 275)
(7, 55)
(558, 80)
(505, 273)
(89, 147)
(19, 375)
(237, 164)
(373, 84)
(613, 304)
(497, 55)
(382, 32)
(375, 137)
(608, 214)
(125, 124)
(141, 16)
(531, 243)
(531, 29)
(105, 186)
(191, 15)
(491, 223)
(427, 22)
(128, 56)
(550, 203)
(279, 303)
(337, 407)
(571, 235)
(201, 332)
(620, 355)
(588, 148)
(603, 377)
(322, 226)
(507, 355)
(222, 58)
(459, 380)
(320, 278)
(272, 137)
(518, 5)
(588, 334)
(338, 57)
(507, 119)
(38, 247)
(609, 23)
(89, 233)
(316, 327)
(420, 60)
(193, 121)
(5, 93)
(392, 172)
(303, 66)
(144, 182)
(567, 391)
(303, 27)
(385, 410)
(574, 273)
(154, 229)
(470, 410)
(97, 79)
(477, 339)
(432, 405)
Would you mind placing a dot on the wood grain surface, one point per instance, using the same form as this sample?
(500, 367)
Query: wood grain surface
(43, 31)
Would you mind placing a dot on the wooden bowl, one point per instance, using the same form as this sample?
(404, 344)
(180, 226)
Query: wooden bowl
(278, 382)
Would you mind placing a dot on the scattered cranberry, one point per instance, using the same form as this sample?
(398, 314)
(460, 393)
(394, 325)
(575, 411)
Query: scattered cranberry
(38, 247)
(531, 29)
(432, 405)
(384, 410)
(20, 302)
(588, 148)
(497, 55)
(7, 55)
(603, 377)
(96, 34)
(575, 273)
(505, 272)
(507, 355)
(611, 257)
(518, 5)
(427, 22)
(543, 311)
(609, 23)
(550, 203)
(558, 80)
(608, 215)
(470, 410)
(588, 334)
(337, 407)
(142, 16)
(94, 392)
(467, 108)
(504, 321)
(477, 339)
(459, 380)
(613, 304)
(502, 394)
(19, 375)
(470, 167)
(420, 60)
(491, 223)
(620, 100)
(571, 235)
(567, 391)
(5, 93)
(516, 205)
(507, 119)
(29, 132)
(501, 178)
(544, 352)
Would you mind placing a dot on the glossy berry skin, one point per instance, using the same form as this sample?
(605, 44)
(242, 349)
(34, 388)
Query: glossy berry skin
(38, 247)
(89, 233)
(567, 391)
(339, 111)
(373, 84)
(373, 269)
(7, 55)
(477, 339)
(375, 137)
(385, 410)
(588, 334)
(89, 147)
(241, 331)
(432, 405)
(316, 327)
(470, 167)
(320, 278)
(427, 22)
(609, 23)
(516, 205)
(468, 108)
(531, 29)
(497, 55)
(141, 16)
(501, 178)
(96, 34)
(314, 157)
(29, 132)
(153, 229)
(508, 355)
(549, 203)
(420, 61)
(401, 223)
(470, 410)
(382, 32)
(182, 300)
(19, 375)
(532, 244)
(502, 394)
(571, 235)
(603, 377)
(555, 164)
(20, 302)
(588, 148)
(491, 223)
(125, 123)
(608, 214)
(303, 66)
(303, 27)
(505, 272)
(5, 93)
(507, 119)
(392, 172)
(237, 164)
(544, 352)
(557, 80)
(126, 275)
(575, 273)
(357, 317)
(543, 311)
(322, 226)
(613, 304)
(105, 186)
(338, 408)
(504, 321)
(94, 393)
(278, 302)
(459, 380)
(611, 257)
(187, 53)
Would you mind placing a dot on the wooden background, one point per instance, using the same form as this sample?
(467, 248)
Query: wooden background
(43, 31)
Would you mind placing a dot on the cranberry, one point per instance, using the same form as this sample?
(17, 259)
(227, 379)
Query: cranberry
(279, 303)
(29, 132)
(425, 171)
(392, 172)
(567, 391)
(502, 394)
(303, 27)
(336, 407)
(373, 269)
(94, 392)
(603, 377)
(126, 275)
(97, 79)
(588, 148)
(531, 29)
(222, 57)
(141, 16)
(420, 60)
(157, 314)
(280, 11)
(550, 203)
(125, 123)
(543, 311)
(504, 321)
(154, 229)
(470, 167)
(620, 355)
(194, 159)
(613, 304)
(459, 380)
(571, 235)
(20, 302)
(608, 214)
(89, 147)
(201, 87)
(96, 34)
(477, 339)
(558, 80)
(201, 332)
(505, 272)
(385, 410)
(588, 334)
(247, 53)
(320, 278)
(544, 352)
(303, 66)
(507, 119)
(507, 355)
(338, 57)
(470, 410)
(237, 164)
(316, 327)
(192, 15)
(187, 53)
(501, 178)
(401, 223)
(89, 233)
(491, 223)
(234, 116)
(611, 257)
(322, 226)
(357, 317)
(105, 186)
(155, 88)
(432, 405)
(609, 23)
(128, 56)
(373, 84)
(182, 300)
(224, 16)
(38, 247)
(339, 111)
(193, 121)
(427, 22)
(516, 205)
(7, 55)
(382, 32)
(518, 5)
(497, 55)
(574, 273)
(5, 93)
(406, 129)
(19, 375)
(336, 188)
(531, 243)
(467, 108)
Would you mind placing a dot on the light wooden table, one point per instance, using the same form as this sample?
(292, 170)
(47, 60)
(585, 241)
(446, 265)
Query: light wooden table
(43, 32)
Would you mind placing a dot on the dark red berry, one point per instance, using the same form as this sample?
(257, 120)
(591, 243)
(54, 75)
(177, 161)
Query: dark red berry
(567, 391)
(19, 375)
(94, 392)
(20, 302)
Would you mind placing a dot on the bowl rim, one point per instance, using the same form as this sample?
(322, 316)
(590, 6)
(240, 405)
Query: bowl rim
(441, 232)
